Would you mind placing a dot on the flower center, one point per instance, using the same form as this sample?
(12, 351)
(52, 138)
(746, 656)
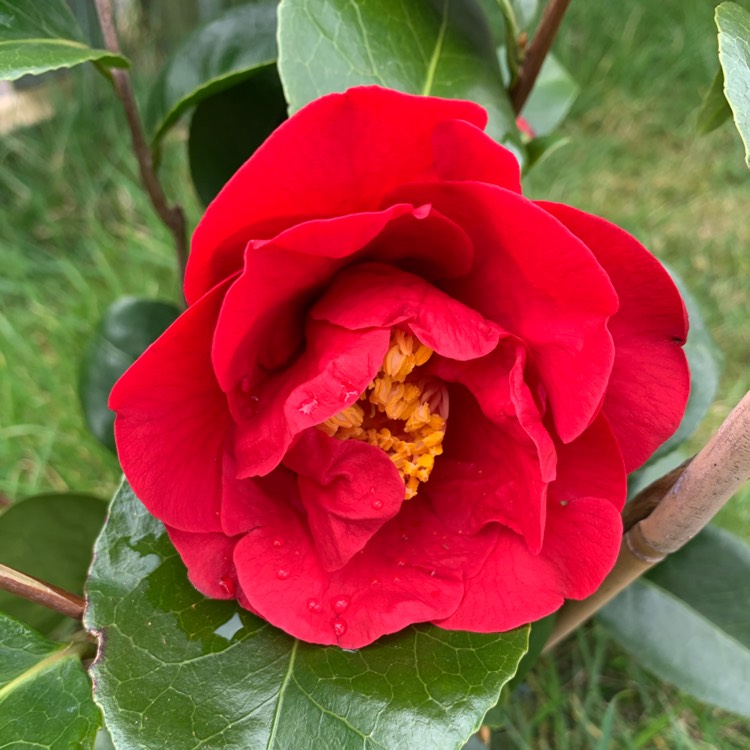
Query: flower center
(399, 412)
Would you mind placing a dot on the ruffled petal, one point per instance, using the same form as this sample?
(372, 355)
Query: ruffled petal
(340, 154)
(260, 324)
(335, 368)
(489, 472)
(650, 382)
(349, 490)
(591, 466)
(209, 560)
(538, 281)
(515, 586)
(410, 571)
(465, 152)
(373, 294)
(173, 422)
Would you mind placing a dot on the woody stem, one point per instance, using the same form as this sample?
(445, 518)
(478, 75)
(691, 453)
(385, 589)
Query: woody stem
(41, 592)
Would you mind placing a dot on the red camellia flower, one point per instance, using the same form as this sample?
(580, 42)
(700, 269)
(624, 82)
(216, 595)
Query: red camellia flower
(401, 392)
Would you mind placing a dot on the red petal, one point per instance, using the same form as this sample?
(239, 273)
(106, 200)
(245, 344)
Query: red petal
(650, 382)
(410, 571)
(591, 466)
(515, 587)
(464, 152)
(173, 422)
(340, 154)
(337, 365)
(488, 472)
(349, 490)
(373, 294)
(209, 560)
(538, 281)
(260, 324)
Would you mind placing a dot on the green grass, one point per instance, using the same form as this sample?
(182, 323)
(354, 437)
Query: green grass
(76, 232)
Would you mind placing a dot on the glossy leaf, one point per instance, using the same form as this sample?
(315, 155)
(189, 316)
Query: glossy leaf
(714, 109)
(177, 670)
(551, 98)
(227, 128)
(45, 695)
(420, 47)
(216, 56)
(128, 327)
(687, 621)
(52, 538)
(37, 37)
(539, 149)
(734, 55)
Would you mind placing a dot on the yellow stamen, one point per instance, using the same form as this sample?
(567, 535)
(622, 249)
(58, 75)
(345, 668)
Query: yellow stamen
(399, 415)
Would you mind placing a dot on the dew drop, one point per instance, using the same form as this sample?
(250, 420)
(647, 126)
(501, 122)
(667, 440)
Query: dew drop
(377, 504)
(341, 604)
(282, 574)
(404, 537)
(278, 542)
(433, 573)
(252, 406)
(396, 579)
(227, 584)
(400, 563)
(314, 606)
(372, 490)
(375, 582)
(339, 627)
(563, 503)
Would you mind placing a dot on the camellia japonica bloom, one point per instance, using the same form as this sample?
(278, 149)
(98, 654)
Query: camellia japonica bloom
(401, 391)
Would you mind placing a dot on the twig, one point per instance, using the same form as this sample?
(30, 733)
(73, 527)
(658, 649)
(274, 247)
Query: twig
(537, 51)
(691, 500)
(172, 216)
(41, 592)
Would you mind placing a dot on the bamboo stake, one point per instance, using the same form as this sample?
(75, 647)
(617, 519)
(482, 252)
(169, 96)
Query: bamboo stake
(699, 492)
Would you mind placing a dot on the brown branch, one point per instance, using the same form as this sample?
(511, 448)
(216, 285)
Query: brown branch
(537, 51)
(171, 215)
(41, 592)
(691, 497)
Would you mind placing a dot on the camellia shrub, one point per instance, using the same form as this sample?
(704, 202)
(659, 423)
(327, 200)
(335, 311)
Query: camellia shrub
(379, 459)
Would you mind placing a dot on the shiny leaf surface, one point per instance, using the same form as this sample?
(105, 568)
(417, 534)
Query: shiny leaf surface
(176, 669)
(421, 47)
(215, 57)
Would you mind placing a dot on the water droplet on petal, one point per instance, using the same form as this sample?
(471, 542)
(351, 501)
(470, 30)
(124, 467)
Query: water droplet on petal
(308, 406)
(396, 579)
(282, 574)
(341, 604)
(278, 542)
(339, 627)
(252, 406)
(400, 563)
(314, 606)
(433, 573)
(404, 537)
(375, 582)
(563, 503)
(227, 584)
(377, 504)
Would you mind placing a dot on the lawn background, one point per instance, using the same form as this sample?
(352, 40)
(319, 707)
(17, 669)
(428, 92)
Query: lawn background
(76, 232)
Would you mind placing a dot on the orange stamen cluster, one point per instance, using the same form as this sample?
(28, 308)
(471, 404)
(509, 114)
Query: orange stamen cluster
(402, 415)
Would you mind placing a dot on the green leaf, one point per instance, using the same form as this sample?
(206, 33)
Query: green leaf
(52, 538)
(177, 670)
(45, 695)
(539, 149)
(215, 57)
(227, 128)
(687, 621)
(36, 37)
(128, 327)
(436, 47)
(551, 98)
(714, 109)
(734, 55)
